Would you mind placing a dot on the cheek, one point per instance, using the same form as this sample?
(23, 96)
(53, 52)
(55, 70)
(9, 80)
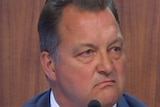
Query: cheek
(120, 68)
(75, 76)
(120, 65)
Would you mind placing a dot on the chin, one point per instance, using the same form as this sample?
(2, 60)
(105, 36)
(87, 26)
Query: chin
(110, 97)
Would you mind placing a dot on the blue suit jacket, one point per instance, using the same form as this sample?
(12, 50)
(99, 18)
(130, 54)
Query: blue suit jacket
(43, 100)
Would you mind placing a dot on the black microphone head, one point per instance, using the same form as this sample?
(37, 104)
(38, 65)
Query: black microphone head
(94, 103)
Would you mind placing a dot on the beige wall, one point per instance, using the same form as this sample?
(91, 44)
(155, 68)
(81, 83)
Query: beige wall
(20, 71)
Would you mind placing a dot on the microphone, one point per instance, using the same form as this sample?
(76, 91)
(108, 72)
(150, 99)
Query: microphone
(94, 103)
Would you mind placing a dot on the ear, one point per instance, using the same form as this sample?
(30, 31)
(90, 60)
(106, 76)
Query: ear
(48, 65)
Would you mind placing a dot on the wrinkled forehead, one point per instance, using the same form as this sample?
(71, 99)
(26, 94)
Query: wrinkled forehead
(73, 16)
(88, 26)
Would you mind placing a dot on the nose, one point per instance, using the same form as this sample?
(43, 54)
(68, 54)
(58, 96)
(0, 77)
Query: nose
(105, 64)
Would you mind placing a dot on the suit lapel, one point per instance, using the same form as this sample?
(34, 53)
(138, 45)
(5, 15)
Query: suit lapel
(44, 100)
(122, 103)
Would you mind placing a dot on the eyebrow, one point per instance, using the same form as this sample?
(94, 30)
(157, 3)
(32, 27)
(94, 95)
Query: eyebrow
(75, 49)
(119, 39)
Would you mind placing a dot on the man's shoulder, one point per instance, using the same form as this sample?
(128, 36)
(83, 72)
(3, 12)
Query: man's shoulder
(41, 100)
(130, 101)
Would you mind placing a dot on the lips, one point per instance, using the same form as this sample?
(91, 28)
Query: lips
(106, 83)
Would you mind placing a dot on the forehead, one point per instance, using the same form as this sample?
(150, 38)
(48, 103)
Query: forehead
(77, 23)
(82, 16)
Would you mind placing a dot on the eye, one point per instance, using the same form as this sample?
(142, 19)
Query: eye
(116, 52)
(117, 49)
(87, 53)
(86, 56)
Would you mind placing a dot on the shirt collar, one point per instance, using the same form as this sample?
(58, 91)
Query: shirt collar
(54, 103)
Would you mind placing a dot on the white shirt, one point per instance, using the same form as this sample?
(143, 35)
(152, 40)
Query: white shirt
(54, 103)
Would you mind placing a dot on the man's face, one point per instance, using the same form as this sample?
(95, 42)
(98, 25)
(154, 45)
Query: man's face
(91, 61)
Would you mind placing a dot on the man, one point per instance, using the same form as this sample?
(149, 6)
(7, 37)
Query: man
(83, 55)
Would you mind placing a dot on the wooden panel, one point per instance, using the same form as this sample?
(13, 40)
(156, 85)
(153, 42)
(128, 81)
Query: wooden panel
(140, 21)
(20, 71)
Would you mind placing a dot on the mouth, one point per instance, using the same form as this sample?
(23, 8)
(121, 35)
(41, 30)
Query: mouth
(106, 83)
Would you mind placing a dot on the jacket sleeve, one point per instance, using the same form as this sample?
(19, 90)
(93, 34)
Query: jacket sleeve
(129, 101)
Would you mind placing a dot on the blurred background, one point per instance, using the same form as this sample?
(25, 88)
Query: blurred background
(21, 75)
